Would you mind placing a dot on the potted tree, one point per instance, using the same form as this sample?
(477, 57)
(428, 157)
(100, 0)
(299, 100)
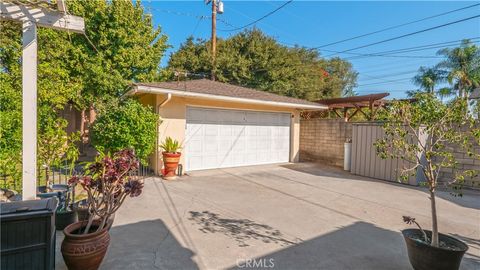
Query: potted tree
(171, 157)
(424, 133)
(107, 183)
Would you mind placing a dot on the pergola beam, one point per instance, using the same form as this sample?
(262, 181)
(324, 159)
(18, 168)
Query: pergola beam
(42, 17)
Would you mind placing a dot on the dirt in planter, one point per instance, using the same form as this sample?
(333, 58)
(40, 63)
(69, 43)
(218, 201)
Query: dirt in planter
(92, 229)
(443, 243)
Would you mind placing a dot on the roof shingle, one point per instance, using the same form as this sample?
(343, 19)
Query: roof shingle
(204, 86)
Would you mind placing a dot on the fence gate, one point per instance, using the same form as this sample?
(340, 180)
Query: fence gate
(364, 159)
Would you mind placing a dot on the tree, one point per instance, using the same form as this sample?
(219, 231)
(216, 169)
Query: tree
(427, 78)
(10, 104)
(423, 133)
(122, 47)
(462, 67)
(253, 59)
(126, 125)
(54, 144)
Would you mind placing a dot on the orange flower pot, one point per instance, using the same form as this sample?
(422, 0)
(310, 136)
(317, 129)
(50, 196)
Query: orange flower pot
(170, 162)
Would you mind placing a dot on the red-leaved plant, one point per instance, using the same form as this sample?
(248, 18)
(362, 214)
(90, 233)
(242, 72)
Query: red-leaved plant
(107, 182)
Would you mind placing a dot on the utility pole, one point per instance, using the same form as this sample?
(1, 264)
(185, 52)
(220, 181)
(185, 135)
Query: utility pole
(217, 7)
(214, 37)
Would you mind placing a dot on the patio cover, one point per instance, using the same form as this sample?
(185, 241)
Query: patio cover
(358, 103)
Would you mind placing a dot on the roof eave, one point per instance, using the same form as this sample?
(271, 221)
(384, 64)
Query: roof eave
(158, 90)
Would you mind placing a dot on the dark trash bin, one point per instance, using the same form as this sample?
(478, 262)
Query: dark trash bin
(28, 234)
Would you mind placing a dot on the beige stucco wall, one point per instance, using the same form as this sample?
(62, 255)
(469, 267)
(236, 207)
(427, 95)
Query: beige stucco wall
(173, 115)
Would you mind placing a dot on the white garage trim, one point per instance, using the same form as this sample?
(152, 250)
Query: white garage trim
(156, 90)
(219, 138)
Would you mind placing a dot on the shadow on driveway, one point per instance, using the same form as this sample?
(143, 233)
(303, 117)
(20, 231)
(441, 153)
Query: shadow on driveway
(469, 198)
(146, 245)
(241, 230)
(357, 246)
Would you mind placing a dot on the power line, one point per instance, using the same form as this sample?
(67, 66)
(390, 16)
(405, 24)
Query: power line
(427, 46)
(178, 13)
(396, 26)
(396, 51)
(196, 26)
(382, 76)
(386, 82)
(411, 49)
(395, 65)
(257, 20)
(362, 55)
(406, 35)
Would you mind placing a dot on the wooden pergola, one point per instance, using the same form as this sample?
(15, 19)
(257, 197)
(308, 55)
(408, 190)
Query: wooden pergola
(32, 14)
(348, 107)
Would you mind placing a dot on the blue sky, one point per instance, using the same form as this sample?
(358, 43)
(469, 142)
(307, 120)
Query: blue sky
(316, 23)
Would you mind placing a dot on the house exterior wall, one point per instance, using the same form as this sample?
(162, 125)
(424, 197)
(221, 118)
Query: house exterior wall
(322, 140)
(151, 101)
(173, 116)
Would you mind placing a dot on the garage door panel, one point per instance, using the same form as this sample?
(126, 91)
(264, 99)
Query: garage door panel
(194, 130)
(195, 115)
(226, 138)
(195, 147)
(251, 117)
(194, 162)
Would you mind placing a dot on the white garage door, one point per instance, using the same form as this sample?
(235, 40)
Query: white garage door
(229, 138)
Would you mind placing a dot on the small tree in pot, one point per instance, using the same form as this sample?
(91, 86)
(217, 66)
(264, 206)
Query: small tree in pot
(171, 157)
(108, 183)
(425, 133)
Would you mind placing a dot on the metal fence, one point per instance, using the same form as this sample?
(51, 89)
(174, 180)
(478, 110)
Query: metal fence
(364, 158)
(60, 175)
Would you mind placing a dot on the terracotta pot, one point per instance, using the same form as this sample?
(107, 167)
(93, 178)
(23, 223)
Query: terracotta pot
(170, 161)
(84, 251)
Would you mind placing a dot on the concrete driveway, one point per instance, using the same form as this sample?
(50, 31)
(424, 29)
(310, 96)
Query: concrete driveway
(294, 216)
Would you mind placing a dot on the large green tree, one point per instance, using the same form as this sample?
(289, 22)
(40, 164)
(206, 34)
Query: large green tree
(253, 59)
(121, 46)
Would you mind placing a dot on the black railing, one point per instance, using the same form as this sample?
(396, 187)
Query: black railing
(60, 175)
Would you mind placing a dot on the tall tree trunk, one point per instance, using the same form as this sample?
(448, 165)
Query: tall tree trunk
(92, 115)
(82, 125)
(434, 219)
(47, 178)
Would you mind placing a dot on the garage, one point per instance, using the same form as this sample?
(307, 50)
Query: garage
(218, 138)
(221, 125)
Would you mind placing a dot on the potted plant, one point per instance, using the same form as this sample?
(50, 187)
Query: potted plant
(65, 215)
(424, 133)
(107, 183)
(171, 157)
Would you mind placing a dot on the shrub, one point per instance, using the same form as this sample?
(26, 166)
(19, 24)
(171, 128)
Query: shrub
(128, 125)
